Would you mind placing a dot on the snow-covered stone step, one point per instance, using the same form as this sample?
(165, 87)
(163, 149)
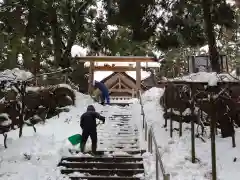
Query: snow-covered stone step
(101, 159)
(127, 151)
(103, 165)
(133, 136)
(119, 125)
(119, 138)
(103, 172)
(124, 132)
(118, 142)
(123, 125)
(104, 178)
(119, 154)
(122, 148)
(115, 144)
(116, 139)
(123, 143)
(122, 115)
(119, 146)
(120, 104)
(124, 136)
(118, 133)
(120, 122)
(121, 130)
(124, 120)
(128, 129)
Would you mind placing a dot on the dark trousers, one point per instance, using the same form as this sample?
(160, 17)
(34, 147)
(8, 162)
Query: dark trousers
(93, 136)
(105, 96)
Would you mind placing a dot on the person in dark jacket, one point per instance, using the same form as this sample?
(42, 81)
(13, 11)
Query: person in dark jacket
(105, 93)
(89, 127)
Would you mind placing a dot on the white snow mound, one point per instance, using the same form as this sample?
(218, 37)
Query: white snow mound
(15, 74)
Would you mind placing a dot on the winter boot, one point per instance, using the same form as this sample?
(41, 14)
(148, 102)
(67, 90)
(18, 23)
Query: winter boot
(94, 148)
(82, 147)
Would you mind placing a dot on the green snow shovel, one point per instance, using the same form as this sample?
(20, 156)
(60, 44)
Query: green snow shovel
(76, 138)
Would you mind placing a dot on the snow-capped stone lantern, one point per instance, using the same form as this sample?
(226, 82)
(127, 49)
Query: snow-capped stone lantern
(202, 63)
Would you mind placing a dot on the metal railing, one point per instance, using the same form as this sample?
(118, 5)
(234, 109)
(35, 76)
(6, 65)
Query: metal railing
(150, 138)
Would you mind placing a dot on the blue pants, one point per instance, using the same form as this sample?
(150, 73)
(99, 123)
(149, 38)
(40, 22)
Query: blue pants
(105, 96)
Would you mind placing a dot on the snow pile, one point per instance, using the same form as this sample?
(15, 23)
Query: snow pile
(34, 88)
(36, 155)
(32, 157)
(150, 99)
(152, 94)
(230, 77)
(234, 74)
(209, 77)
(149, 166)
(15, 74)
(213, 79)
(78, 51)
(5, 120)
(176, 151)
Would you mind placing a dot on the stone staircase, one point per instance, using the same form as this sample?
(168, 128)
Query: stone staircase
(119, 155)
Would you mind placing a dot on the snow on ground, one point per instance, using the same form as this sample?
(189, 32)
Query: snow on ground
(210, 77)
(35, 155)
(176, 152)
(15, 74)
(122, 99)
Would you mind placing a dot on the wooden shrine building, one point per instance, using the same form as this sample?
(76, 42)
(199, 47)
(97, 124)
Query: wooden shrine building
(121, 85)
(119, 82)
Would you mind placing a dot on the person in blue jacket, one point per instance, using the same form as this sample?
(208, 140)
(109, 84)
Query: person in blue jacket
(105, 93)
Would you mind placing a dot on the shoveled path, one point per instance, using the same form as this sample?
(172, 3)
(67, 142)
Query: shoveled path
(119, 155)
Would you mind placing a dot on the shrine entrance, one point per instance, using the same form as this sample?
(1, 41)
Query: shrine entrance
(116, 69)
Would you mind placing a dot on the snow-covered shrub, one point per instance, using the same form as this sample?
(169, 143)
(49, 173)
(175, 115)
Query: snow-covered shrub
(15, 74)
(39, 102)
(178, 98)
(64, 95)
(49, 98)
(5, 126)
(5, 123)
(33, 97)
(10, 94)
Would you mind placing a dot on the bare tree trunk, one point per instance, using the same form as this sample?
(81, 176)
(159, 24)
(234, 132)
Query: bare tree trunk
(56, 36)
(209, 30)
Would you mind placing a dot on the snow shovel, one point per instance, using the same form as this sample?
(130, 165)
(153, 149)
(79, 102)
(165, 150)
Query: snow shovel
(76, 138)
